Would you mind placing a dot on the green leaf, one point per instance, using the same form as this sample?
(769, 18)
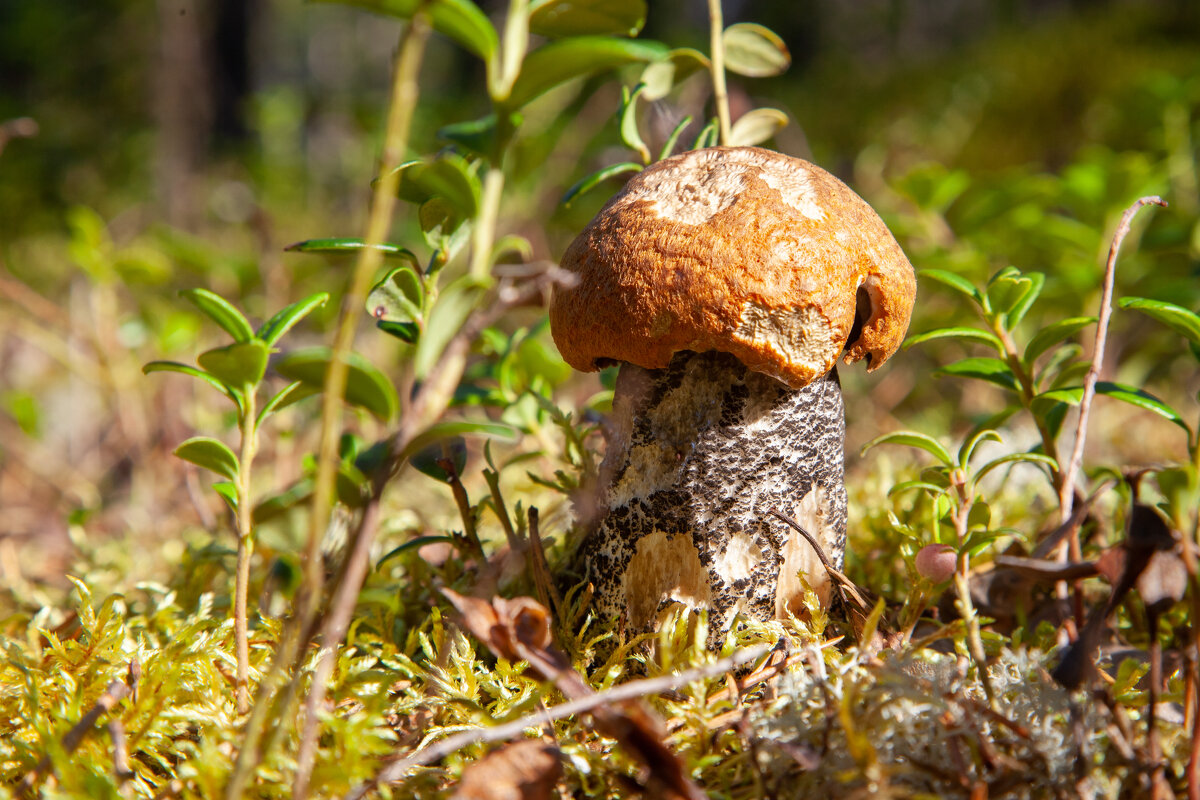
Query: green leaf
(1142, 399)
(956, 282)
(1017, 458)
(397, 303)
(708, 136)
(227, 491)
(1073, 395)
(286, 318)
(1021, 307)
(971, 334)
(757, 126)
(446, 430)
(222, 312)
(913, 439)
(175, 366)
(992, 370)
(204, 451)
(662, 76)
(907, 486)
(294, 392)
(461, 20)
(480, 136)
(669, 145)
(426, 459)
(239, 365)
(629, 128)
(1177, 318)
(1053, 334)
(754, 51)
(556, 19)
(1008, 290)
(968, 449)
(412, 544)
(366, 386)
(558, 62)
(597, 177)
(448, 177)
(518, 246)
(453, 307)
(349, 246)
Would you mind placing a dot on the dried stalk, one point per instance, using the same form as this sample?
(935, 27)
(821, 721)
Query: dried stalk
(626, 691)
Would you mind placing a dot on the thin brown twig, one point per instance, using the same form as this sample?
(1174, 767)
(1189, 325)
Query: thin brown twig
(1066, 497)
(626, 691)
(540, 567)
(845, 586)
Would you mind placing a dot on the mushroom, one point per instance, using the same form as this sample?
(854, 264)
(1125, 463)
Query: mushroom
(725, 282)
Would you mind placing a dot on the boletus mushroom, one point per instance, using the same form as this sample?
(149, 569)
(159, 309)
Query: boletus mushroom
(726, 282)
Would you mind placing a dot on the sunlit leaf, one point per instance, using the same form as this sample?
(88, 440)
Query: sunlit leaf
(669, 145)
(448, 177)
(755, 51)
(557, 62)
(350, 246)
(913, 439)
(1177, 318)
(968, 334)
(292, 393)
(556, 19)
(185, 369)
(660, 77)
(968, 449)
(757, 126)
(242, 364)
(629, 122)
(1053, 334)
(445, 319)
(222, 312)
(397, 303)
(709, 135)
(992, 370)
(286, 318)
(1017, 458)
(1129, 394)
(228, 492)
(956, 282)
(212, 454)
(598, 177)
(366, 386)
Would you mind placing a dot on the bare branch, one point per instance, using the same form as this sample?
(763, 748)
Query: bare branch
(627, 691)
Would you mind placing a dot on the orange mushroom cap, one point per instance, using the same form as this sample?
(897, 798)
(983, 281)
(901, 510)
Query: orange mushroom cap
(736, 249)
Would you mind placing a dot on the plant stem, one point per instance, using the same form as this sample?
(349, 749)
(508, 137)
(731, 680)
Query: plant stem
(1066, 496)
(962, 588)
(245, 547)
(484, 233)
(716, 24)
(383, 200)
(405, 89)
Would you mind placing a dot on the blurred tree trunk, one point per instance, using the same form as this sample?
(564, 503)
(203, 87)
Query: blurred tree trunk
(183, 111)
(201, 83)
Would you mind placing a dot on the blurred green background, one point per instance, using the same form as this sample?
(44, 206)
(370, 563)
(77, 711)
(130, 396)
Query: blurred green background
(154, 145)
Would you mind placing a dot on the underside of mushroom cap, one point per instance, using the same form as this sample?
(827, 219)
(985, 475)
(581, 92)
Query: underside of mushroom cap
(736, 249)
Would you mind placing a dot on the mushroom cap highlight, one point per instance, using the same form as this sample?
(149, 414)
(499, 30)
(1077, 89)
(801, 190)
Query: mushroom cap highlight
(736, 249)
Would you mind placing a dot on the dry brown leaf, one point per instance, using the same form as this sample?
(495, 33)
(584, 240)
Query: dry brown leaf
(524, 770)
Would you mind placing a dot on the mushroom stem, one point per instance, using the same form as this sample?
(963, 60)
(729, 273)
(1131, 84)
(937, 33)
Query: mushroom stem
(698, 452)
